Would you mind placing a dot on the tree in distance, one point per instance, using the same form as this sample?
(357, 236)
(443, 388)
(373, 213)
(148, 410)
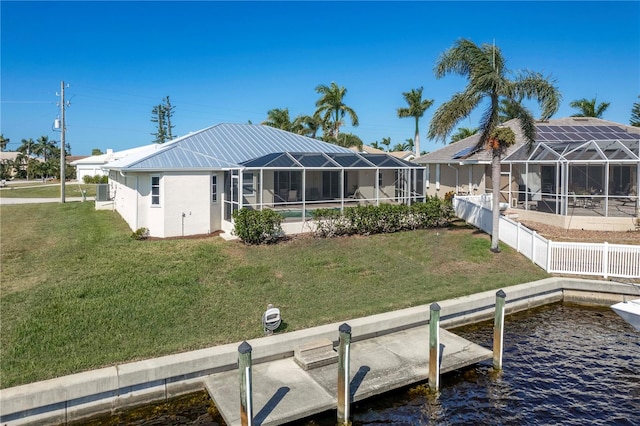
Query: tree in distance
(417, 107)
(331, 110)
(588, 108)
(161, 114)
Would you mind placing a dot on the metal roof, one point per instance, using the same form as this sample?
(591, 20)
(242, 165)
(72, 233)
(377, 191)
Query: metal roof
(227, 146)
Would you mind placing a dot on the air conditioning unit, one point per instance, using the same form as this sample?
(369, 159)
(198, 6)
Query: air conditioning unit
(102, 192)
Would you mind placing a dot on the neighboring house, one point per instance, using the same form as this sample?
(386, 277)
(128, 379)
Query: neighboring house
(403, 155)
(8, 159)
(91, 166)
(578, 167)
(191, 185)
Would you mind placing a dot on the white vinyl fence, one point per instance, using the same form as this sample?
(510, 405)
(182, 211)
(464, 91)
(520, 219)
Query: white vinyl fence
(602, 259)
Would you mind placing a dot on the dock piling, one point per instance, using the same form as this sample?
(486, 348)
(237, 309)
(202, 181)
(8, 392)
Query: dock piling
(246, 400)
(434, 347)
(344, 395)
(498, 330)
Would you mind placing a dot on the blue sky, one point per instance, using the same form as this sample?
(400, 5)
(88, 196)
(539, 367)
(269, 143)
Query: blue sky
(233, 61)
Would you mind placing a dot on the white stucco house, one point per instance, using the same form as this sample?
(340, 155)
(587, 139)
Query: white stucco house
(581, 172)
(92, 166)
(191, 185)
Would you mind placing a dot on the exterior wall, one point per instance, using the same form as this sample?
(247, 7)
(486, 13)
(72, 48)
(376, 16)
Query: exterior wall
(267, 186)
(388, 187)
(185, 201)
(125, 197)
(179, 193)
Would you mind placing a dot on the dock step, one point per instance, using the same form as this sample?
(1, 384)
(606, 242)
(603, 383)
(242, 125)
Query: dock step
(315, 354)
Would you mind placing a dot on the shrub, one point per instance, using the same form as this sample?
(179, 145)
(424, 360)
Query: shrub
(140, 234)
(257, 226)
(95, 179)
(386, 218)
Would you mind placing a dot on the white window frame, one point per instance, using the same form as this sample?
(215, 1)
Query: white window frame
(158, 195)
(214, 189)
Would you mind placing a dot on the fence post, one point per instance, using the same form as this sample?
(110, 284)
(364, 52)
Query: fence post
(533, 246)
(343, 373)
(498, 330)
(246, 400)
(434, 347)
(549, 243)
(605, 260)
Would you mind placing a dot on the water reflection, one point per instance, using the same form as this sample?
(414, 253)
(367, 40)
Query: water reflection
(562, 364)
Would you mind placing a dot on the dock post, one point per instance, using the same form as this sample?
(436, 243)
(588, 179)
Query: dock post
(498, 330)
(344, 395)
(246, 400)
(434, 347)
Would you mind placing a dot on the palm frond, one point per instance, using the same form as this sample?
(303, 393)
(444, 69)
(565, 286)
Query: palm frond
(450, 113)
(533, 85)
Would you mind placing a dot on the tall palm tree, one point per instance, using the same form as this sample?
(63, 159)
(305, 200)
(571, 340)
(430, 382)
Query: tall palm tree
(487, 80)
(463, 133)
(331, 108)
(588, 108)
(417, 107)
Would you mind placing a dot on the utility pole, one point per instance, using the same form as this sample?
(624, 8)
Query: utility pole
(63, 163)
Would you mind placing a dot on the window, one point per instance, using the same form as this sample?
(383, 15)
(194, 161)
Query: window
(247, 183)
(214, 189)
(380, 178)
(155, 190)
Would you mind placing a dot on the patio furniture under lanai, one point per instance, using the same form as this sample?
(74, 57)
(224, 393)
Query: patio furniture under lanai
(577, 170)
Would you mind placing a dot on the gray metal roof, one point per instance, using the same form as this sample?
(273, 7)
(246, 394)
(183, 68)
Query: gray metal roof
(568, 130)
(222, 146)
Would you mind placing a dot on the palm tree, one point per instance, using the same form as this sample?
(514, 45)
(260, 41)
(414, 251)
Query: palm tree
(483, 67)
(417, 107)
(331, 108)
(279, 118)
(635, 114)
(310, 124)
(463, 133)
(44, 147)
(588, 108)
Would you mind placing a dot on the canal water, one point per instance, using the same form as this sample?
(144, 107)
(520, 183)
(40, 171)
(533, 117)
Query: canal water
(563, 364)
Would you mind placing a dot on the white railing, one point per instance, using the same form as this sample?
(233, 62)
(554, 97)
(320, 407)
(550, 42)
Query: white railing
(602, 259)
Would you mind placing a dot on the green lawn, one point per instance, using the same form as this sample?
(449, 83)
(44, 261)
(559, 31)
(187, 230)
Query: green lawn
(46, 190)
(78, 293)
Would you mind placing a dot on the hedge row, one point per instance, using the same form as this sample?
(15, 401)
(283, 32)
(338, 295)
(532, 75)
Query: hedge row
(264, 226)
(95, 179)
(386, 218)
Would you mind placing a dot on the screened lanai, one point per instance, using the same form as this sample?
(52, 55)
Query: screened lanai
(296, 183)
(576, 178)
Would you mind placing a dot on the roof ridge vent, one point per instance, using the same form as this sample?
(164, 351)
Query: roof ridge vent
(580, 119)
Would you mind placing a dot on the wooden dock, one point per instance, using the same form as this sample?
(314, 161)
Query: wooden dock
(284, 392)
